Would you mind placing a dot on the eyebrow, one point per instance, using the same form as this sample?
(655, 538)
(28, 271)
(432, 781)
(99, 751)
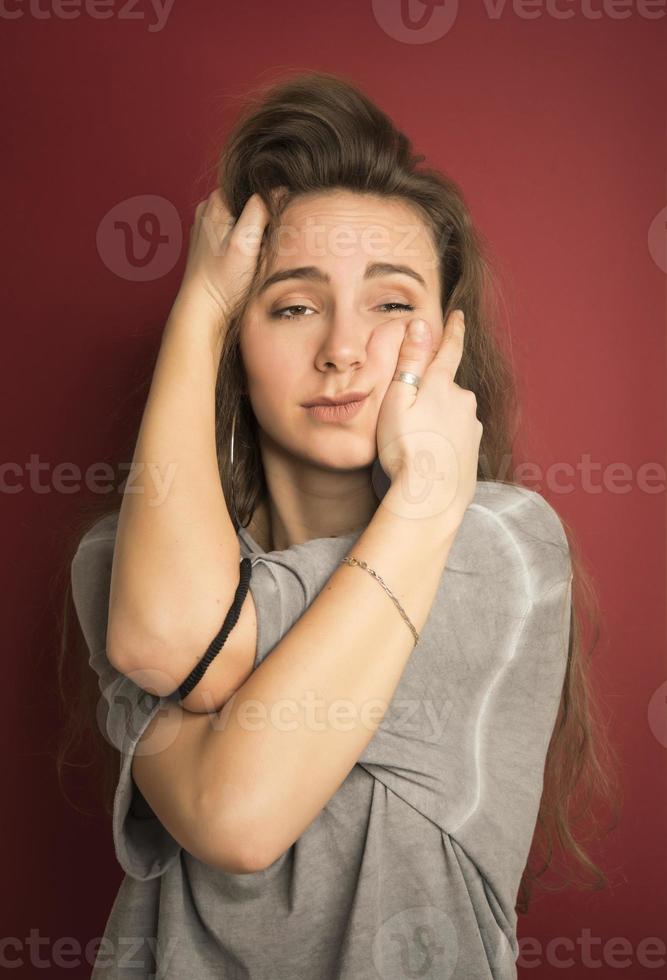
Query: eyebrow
(374, 270)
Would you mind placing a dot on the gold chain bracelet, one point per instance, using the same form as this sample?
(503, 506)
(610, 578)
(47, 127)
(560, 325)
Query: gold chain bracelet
(362, 564)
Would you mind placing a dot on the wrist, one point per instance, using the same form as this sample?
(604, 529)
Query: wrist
(425, 512)
(196, 316)
(196, 302)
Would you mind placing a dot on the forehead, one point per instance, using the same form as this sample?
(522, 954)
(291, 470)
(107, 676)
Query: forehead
(341, 231)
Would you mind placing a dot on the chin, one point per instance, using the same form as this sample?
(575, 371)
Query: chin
(339, 452)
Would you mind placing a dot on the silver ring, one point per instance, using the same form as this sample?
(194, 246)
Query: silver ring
(408, 377)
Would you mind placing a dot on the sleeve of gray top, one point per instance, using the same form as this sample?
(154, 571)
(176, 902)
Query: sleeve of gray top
(496, 823)
(143, 846)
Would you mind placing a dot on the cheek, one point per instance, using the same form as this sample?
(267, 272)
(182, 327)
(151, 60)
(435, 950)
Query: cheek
(259, 352)
(272, 372)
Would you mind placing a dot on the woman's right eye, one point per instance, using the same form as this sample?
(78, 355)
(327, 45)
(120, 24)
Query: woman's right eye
(283, 315)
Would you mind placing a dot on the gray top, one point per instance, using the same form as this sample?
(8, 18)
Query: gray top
(413, 866)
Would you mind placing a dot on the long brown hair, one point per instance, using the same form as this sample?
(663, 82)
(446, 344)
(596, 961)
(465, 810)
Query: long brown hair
(308, 133)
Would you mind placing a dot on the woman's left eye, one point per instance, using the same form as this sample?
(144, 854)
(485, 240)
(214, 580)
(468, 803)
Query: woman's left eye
(401, 306)
(284, 315)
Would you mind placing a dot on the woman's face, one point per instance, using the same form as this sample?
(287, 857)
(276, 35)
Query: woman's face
(335, 323)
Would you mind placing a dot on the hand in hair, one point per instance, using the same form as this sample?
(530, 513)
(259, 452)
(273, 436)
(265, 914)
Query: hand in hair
(222, 254)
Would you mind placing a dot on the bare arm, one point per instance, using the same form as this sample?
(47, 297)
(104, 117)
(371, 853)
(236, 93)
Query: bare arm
(269, 768)
(176, 557)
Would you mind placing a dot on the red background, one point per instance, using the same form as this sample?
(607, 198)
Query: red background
(555, 129)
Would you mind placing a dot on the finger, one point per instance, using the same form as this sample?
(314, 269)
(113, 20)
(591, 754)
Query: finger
(415, 353)
(216, 221)
(251, 222)
(245, 239)
(212, 216)
(215, 204)
(449, 354)
(217, 218)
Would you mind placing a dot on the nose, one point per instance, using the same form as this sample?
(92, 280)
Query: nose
(344, 343)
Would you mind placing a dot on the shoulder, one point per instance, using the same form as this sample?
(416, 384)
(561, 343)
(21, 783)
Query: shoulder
(101, 531)
(516, 534)
(90, 577)
(90, 569)
(510, 507)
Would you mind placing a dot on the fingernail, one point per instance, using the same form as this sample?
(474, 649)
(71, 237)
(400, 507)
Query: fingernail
(418, 330)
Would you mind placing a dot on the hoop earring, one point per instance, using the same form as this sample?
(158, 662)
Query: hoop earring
(234, 515)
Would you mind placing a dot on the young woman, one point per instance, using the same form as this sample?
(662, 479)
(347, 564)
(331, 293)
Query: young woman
(351, 788)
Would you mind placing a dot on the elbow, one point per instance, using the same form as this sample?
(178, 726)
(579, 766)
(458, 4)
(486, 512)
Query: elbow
(236, 848)
(141, 655)
(240, 840)
(115, 648)
(257, 850)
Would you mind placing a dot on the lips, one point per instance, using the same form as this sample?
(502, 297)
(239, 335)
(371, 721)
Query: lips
(336, 412)
(350, 396)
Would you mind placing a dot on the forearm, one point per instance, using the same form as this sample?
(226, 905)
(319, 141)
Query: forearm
(313, 705)
(176, 556)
